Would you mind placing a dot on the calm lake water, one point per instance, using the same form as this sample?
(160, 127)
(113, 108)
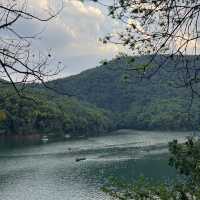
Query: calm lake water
(50, 171)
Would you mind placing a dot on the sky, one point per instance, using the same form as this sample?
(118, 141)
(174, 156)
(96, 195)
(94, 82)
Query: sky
(73, 36)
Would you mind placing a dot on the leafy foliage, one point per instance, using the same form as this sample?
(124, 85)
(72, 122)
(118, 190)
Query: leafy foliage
(55, 116)
(137, 103)
(152, 27)
(108, 97)
(185, 158)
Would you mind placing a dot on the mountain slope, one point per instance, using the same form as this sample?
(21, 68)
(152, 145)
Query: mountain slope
(115, 87)
(42, 113)
(104, 98)
(137, 103)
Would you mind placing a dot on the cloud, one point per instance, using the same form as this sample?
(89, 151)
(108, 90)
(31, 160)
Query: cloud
(73, 36)
(85, 10)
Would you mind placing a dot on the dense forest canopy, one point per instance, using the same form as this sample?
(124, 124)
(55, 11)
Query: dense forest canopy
(137, 102)
(105, 98)
(46, 115)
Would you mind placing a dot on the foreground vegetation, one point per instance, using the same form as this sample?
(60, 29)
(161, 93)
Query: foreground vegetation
(185, 158)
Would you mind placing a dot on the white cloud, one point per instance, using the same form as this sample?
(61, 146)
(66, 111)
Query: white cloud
(74, 34)
(84, 9)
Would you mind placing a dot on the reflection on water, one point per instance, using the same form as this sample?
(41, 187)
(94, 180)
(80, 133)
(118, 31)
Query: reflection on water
(50, 172)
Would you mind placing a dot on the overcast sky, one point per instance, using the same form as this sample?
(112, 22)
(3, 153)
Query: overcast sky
(74, 35)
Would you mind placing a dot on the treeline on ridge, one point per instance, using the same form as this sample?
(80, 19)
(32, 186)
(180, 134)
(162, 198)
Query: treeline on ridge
(137, 103)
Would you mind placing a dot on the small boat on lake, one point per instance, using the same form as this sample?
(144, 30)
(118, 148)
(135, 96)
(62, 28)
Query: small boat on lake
(80, 159)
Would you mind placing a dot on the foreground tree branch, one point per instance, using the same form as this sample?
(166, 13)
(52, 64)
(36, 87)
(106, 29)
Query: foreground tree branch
(20, 62)
(153, 27)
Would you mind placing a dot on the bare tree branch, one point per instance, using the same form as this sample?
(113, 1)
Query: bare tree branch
(18, 58)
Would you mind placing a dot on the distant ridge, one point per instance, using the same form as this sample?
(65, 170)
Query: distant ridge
(115, 86)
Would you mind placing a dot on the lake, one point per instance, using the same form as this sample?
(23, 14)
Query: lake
(50, 171)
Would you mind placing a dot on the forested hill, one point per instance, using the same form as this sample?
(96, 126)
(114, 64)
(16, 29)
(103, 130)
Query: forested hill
(114, 86)
(104, 98)
(39, 113)
(138, 103)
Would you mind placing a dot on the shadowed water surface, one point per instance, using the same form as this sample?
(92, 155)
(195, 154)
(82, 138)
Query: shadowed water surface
(50, 171)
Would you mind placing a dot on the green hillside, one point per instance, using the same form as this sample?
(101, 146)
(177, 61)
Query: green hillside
(138, 103)
(41, 113)
(115, 87)
(101, 99)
